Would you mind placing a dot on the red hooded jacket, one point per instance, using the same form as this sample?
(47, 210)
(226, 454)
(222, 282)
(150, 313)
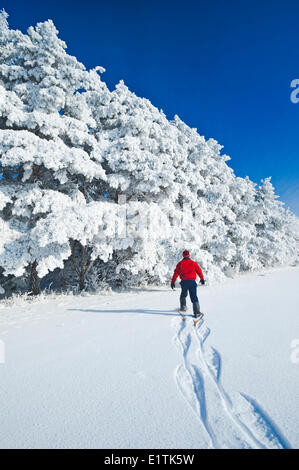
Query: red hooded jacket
(187, 269)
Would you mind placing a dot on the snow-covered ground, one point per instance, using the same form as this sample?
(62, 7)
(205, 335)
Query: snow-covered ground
(124, 371)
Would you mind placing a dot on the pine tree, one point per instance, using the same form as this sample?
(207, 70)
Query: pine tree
(101, 183)
(46, 156)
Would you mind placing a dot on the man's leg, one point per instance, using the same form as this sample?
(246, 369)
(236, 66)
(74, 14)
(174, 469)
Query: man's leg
(183, 296)
(194, 298)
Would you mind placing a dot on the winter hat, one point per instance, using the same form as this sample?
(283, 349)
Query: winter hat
(186, 254)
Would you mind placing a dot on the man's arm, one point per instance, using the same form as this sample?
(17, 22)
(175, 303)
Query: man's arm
(176, 273)
(199, 272)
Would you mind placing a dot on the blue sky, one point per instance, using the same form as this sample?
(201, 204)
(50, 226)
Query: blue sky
(224, 66)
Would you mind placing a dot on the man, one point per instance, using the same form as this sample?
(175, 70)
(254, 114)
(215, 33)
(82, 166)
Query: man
(188, 269)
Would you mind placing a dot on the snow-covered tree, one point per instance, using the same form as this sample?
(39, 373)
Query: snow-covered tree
(46, 157)
(101, 183)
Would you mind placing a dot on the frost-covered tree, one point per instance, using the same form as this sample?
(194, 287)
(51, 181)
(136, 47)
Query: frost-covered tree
(46, 156)
(142, 152)
(48, 144)
(102, 184)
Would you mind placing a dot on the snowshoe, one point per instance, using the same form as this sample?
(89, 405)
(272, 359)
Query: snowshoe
(197, 319)
(181, 313)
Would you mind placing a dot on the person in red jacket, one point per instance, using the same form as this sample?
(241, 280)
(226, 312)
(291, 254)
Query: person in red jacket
(188, 269)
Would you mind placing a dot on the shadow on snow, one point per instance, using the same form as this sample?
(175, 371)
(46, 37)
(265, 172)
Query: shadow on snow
(167, 313)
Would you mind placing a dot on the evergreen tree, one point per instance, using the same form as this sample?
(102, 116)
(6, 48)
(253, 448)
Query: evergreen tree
(102, 184)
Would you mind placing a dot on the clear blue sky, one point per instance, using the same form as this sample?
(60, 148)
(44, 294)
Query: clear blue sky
(224, 66)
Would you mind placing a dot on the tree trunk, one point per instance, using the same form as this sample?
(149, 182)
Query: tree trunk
(82, 268)
(63, 278)
(34, 279)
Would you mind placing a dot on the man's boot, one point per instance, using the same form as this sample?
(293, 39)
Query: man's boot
(183, 306)
(196, 310)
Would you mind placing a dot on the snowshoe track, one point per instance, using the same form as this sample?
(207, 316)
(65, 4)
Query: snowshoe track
(199, 383)
(190, 383)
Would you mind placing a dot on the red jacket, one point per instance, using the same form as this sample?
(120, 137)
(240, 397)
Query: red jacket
(187, 269)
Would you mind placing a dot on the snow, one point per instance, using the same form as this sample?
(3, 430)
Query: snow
(99, 189)
(122, 370)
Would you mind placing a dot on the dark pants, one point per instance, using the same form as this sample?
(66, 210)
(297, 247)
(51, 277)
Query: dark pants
(189, 286)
